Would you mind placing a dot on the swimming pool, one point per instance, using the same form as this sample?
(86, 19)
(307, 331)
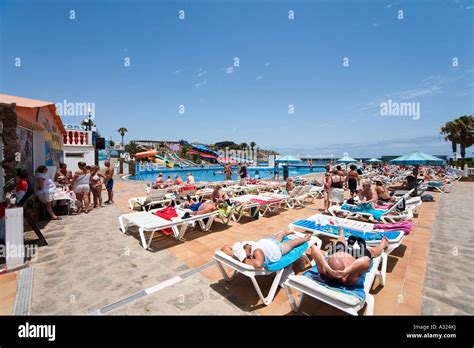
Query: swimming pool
(212, 174)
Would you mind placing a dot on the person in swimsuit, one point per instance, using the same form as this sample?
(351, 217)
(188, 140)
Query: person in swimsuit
(367, 195)
(96, 186)
(346, 264)
(269, 249)
(228, 171)
(352, 179)
(326, 187)
(63, 176)
(337, 183)
(81, 186)
(109, 182)
(382, 193)
(177, 180)
(190, 179)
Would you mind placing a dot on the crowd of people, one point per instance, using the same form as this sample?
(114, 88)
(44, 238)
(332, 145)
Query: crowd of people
(86, 183)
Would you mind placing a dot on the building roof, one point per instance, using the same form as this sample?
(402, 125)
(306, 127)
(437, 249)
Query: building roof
(31, 104)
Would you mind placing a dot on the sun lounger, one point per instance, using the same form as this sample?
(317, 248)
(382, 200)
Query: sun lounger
(328, 226)
(348, 299)
(148, 222)
(282, 269)
(153, 197)
(391, 215)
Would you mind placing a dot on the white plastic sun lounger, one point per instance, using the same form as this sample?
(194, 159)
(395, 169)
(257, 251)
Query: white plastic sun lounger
(148, 222)
(297, 199)
(394, 238)
(391, 215)
(152, 198)
(345, 302)
(222, 259)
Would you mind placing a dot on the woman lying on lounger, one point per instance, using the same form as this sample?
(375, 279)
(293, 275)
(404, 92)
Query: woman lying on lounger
(198, 208)
(269, 249)
(346, 264)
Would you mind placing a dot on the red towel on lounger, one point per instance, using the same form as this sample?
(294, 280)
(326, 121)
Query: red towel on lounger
(167, 213)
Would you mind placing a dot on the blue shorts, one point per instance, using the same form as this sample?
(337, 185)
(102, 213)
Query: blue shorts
(110, 185)
(195, 206)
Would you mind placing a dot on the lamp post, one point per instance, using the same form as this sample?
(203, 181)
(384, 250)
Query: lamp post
(89, 120)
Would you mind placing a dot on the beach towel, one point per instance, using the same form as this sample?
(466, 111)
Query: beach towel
(263, 201)
(287, 259)
(334, 230)
(404, 226)
(356, 290)
(167, 213)
(377, 213)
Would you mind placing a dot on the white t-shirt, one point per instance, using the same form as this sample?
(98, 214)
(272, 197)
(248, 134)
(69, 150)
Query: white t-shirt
(48, 187)
(270, 248)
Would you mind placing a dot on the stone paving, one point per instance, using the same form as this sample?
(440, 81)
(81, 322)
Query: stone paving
(90, 264)
(449, 282)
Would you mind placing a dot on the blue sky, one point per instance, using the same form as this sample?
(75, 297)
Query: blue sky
(282, 62)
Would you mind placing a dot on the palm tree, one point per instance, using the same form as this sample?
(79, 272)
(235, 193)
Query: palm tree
(122, 131)
(243, 146)
(465, 130)
(253, 144)
(460, 131)
(449, 130)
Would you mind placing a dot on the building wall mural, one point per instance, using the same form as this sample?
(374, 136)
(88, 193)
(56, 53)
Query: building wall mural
(53, 145)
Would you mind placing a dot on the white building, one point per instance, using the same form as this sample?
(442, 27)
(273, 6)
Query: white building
(78, 146)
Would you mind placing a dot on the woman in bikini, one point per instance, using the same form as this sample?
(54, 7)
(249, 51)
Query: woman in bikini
(352, 179)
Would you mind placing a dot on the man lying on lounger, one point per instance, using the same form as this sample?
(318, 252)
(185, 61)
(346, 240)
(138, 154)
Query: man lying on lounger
(269, 249)
(345, 263)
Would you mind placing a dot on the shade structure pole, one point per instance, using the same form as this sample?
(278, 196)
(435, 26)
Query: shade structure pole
(415, 193)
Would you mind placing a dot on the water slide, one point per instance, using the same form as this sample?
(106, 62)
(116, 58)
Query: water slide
(169, 163)
(185, 161)
(177, 161)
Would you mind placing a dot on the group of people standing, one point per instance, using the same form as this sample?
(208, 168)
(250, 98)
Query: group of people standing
(85, 181)
(335, 181)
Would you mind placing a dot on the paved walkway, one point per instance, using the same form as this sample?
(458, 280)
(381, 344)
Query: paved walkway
(449, 283)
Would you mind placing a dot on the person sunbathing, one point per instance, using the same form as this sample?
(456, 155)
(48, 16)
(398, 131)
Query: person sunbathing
(382, 193)
(269, 249)
(198, 208)
(367, 195)
(345, 263)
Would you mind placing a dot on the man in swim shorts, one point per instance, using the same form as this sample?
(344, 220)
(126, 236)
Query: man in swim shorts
(109, 182)
(345, 263)
(269, 249)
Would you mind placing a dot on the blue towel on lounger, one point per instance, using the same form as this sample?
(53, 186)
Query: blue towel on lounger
(368, 236)
(355, 290)
(288, 258)
(377, 213)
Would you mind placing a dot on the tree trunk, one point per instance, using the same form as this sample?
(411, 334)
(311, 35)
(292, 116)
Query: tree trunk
(463, 154)
(123, 150)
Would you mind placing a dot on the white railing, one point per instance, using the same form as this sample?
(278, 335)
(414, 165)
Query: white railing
(150, 167)
(77, 138)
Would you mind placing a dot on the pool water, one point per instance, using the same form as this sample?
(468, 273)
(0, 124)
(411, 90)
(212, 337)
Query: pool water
(213, 174)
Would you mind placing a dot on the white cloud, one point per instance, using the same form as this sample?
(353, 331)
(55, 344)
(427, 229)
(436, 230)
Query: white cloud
(204, 82)
(267, 64)
(201, 73)
(198, 84)
(229, 70)
(258, 77)
(469, 7)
